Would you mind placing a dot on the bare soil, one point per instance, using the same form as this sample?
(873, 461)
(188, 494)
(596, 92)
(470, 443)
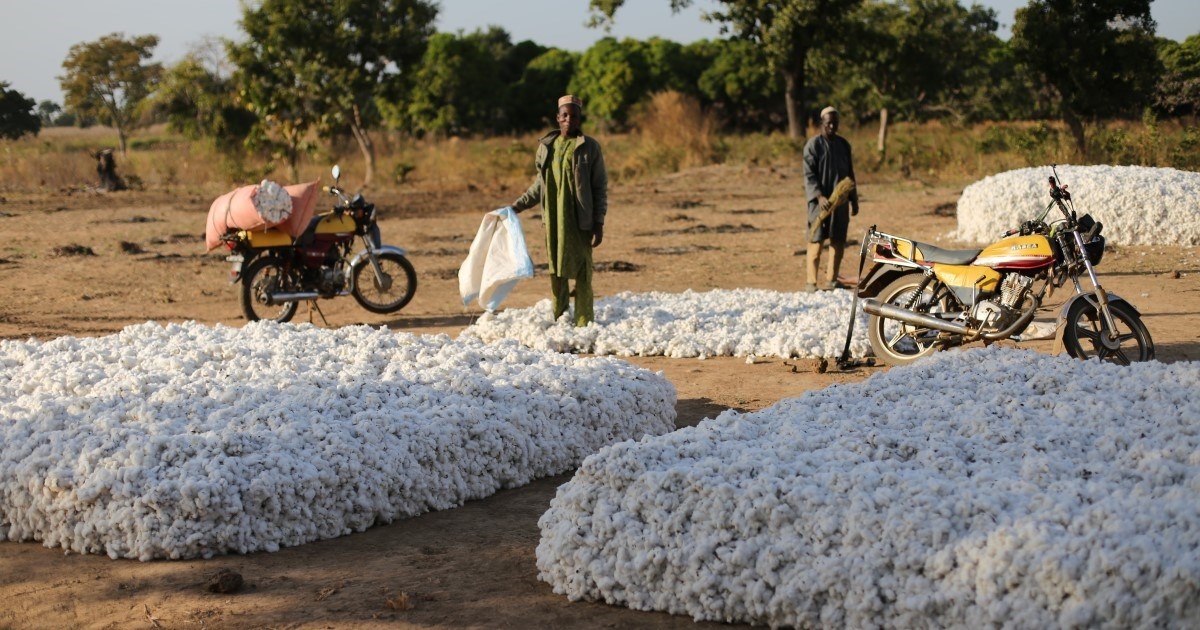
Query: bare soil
(90, 264)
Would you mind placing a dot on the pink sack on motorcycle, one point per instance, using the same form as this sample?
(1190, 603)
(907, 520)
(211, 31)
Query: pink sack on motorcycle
(236, 210)
(304, 201)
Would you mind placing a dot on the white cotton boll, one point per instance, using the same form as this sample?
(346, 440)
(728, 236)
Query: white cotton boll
(1138, 205)
(272, 202)
(739, 322)
(200, 441)
(1064, 497)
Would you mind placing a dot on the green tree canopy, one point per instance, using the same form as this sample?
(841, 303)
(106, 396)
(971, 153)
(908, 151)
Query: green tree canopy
(108, 80)
(198, 101)
(316, 65)
(544, 79)
(17, 116)
(787, 30)
(738, 83)
(1179, 91)
(458, 87)
(610, 77)
(1097, 57)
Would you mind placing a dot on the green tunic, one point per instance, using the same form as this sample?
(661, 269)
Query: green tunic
(569, 247)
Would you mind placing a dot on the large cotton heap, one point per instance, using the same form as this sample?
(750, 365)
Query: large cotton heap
(737, 322)
(185, 441)
(983, 488)
(1138, 205)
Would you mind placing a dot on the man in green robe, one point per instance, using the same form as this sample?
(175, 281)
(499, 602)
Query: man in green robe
(572, 186)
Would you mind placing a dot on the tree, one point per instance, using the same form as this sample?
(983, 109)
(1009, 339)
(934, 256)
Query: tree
(911, 57)
(48, 111)
(610, 77)
(316, 65)
(17, 117)
(1178, 93)
(786, 29)
(198, 97)
(738, 84)
(456, 84)
(1096, 56)
(544, 79)
(108, 80)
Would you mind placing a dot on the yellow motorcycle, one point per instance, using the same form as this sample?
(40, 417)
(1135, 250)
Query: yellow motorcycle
(921, 298)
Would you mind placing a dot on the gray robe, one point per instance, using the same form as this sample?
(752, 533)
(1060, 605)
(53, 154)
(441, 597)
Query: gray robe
(826, 162)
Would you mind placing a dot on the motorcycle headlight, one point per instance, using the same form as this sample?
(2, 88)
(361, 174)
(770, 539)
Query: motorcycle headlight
(1095, 250)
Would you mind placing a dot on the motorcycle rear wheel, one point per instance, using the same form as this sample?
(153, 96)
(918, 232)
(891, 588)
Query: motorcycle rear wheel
(390, 293)
(1085, 335)
(899, 343)
(262, 278)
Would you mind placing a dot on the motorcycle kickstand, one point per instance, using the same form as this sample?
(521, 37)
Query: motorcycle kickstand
(312, 304)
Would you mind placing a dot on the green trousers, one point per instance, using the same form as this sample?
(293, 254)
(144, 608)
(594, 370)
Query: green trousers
(561, 289)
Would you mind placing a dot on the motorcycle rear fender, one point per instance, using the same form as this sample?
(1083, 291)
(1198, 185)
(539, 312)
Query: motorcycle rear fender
(879, 276)
(1062, 315)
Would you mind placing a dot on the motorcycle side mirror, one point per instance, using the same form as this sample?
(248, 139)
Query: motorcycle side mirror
(337, 173)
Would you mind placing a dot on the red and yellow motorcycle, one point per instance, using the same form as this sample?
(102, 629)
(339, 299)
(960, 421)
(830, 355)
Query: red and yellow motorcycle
(922, 298)
(277, 272)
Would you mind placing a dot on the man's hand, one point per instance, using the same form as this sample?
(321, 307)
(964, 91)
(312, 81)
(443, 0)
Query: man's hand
(853, 208)
(822, 202)
(597, 234)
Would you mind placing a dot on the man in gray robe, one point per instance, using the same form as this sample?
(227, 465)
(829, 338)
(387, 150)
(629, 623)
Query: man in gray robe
(826, 161)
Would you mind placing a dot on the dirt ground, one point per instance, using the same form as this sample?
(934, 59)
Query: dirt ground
(90, 264)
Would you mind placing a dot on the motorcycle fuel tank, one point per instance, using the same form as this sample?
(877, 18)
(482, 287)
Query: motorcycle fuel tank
(336, 224)
(1017, 253)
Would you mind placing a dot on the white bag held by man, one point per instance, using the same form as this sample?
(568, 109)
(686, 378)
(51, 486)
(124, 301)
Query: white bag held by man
(497, 260)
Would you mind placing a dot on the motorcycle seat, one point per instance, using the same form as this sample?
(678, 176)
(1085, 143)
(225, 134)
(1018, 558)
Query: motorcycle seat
(930, 253)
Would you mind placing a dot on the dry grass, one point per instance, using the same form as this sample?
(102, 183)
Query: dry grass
(671, 133)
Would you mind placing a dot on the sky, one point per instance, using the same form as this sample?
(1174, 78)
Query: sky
(38, 33)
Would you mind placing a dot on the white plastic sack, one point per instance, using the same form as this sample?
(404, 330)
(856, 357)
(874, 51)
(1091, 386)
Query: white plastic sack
(497, 261)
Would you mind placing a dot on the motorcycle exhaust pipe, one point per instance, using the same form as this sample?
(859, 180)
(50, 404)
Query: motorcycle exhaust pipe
(891, 311)
(280, 298)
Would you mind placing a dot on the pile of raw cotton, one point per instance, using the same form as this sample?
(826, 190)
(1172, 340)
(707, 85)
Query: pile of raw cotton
(974, 489)
(738, 322)
(185, 440)
(1138, 205)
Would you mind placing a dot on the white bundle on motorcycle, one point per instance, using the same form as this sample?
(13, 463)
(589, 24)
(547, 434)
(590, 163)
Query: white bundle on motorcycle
(259, 207)
(498, 259)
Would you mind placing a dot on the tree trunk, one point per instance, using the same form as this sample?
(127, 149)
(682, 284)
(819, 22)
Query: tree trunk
(121, 140)
(365, 145)
(883, 129)
(1076, 127)
(793, 90)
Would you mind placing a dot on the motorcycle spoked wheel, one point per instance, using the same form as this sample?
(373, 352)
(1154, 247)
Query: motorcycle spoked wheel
(262, 278)
(1085, 335)
(390, 293)
(899, 343)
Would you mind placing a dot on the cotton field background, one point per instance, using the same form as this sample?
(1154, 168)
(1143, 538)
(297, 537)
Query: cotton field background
(721, 322)
(183, 441)
(1138, 205)
(979, 488)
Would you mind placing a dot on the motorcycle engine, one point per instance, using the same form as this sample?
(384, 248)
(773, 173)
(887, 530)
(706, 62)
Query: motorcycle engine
(330, 281)
(995, 315)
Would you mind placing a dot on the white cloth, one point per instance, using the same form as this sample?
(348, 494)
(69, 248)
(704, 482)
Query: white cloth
(497, 261)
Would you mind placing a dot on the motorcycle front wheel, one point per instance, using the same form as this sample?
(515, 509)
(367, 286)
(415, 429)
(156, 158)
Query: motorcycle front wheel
(389, 292)
(262, 278)
(1085, 335)
(898, 343)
